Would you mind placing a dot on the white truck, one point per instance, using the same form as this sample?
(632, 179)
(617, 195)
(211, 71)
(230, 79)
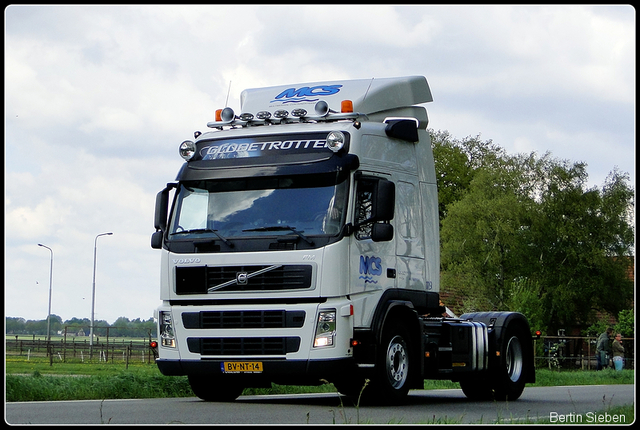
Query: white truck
(302, 244)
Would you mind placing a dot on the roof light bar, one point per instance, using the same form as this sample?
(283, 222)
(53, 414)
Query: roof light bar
(299, 113)
(227, 117)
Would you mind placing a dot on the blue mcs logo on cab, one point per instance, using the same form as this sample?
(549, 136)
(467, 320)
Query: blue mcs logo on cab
(292, 95)
(370, 267)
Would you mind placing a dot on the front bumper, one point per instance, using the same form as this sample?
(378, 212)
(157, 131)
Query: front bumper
(285, 372)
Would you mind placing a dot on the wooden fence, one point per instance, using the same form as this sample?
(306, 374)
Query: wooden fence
(566, 352)
(575, 352)
(74, 350)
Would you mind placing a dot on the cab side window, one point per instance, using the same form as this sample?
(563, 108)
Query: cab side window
(364, 200)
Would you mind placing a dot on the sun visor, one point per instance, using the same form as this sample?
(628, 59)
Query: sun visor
(368, 95)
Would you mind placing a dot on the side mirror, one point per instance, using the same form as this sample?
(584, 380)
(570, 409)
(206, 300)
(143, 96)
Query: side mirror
(162, 205)
(383, 201)
(405, 129)
(381, 232)
(156, 239)
(160, 217)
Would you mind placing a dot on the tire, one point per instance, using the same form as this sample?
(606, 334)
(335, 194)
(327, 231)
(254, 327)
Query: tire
(214, 389)
(354, 387)
(477, 389)
(511, 375)
(394, 367)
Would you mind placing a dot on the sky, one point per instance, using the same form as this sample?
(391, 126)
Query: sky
(98, 98)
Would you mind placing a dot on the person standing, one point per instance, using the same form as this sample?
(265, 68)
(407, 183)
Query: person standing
(603, 349)
(618, 352)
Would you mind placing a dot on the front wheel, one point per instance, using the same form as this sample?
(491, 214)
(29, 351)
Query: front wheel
(394, 364)
(214, 389)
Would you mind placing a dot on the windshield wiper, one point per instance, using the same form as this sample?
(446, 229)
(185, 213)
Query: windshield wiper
(282, 228)
(205, 230)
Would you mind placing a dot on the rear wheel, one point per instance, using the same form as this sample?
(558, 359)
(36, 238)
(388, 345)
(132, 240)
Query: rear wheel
(511, 376)
(477, 389)
(214, 389)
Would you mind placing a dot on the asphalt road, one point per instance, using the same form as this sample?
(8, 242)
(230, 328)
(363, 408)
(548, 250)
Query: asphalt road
(564, 404)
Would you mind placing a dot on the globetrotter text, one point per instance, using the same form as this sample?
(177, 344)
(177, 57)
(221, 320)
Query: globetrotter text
(214, 151)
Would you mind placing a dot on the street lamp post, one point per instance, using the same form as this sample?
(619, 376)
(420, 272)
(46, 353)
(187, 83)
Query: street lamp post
(50, 285)
(93, 293)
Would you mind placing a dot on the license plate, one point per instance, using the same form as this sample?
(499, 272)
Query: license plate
(242, 367)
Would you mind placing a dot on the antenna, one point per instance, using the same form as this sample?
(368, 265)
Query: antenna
(228, 91)
(368, 88)
(226, 102)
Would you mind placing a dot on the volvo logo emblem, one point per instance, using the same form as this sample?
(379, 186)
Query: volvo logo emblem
(242, 278)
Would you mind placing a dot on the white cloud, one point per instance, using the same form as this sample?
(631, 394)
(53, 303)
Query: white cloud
(98, 98)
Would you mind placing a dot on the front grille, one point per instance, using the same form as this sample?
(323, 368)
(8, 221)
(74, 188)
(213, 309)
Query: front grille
(243, 319)
(243, 345)
(198, 280)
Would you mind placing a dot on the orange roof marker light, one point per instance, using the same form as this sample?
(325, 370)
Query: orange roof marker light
(346, 106)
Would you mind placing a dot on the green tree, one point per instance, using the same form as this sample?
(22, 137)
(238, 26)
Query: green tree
(78, 322)
(482, 237)
(56, 324)
(120, 327)
(456, 162)
(14, 325)
(75, 325)
(37, 327)
(626, 323)
(525, 233)
(100, 327)
(582, 239)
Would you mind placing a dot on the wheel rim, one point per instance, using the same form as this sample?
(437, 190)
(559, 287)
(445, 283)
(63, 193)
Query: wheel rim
(514, 359)
(397, 362)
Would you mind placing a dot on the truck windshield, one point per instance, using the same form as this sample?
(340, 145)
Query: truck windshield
(232, 209)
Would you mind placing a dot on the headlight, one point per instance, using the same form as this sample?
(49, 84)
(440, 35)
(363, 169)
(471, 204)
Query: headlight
(335, 140)
(326, 329)
(167, 334)
(187, 149)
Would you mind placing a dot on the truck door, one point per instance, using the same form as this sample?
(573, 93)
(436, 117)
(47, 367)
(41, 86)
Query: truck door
(372, 255)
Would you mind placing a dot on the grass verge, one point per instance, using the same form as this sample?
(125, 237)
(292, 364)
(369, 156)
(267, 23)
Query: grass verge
(37, 381)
